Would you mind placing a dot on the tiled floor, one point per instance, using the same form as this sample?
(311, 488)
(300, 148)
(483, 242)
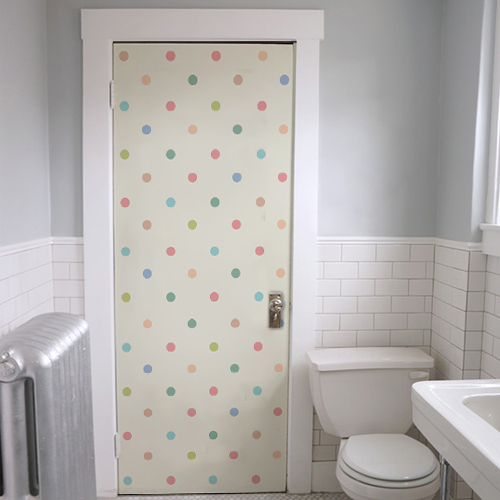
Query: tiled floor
(241, 496)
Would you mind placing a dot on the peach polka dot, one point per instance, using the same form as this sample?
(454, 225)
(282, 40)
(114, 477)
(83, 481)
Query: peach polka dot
(235, 323)
(260, 202)
(123, 55)
(192, 368)
(278, 367)
(192, 129)
(238, 80)
(280, 272)
(256, 434)
(146, 80)
(192, 273)
(281, 224)
(262, 55)
(148, 455)
(146, 177)
(277, 454)
(146, 224)
(283, 129)
(148, 412)
(147, 323)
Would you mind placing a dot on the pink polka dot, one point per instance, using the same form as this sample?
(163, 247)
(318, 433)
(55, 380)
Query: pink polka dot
(191, 412)
(236, 224)
(216, 55)
(170, 347)
(170, 480)
(215, 154)
(282, 177)
(256, 479)
(259, 250)
(125, 202)
(213, 391)
(127, 436)
(214, 296)
(233, 455)
(192, 177)
(258, 346)
(170, 105)
(278, 411)
(170, 57)
(170, 251)
(262, 105)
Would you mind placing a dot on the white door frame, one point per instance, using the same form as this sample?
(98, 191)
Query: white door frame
(102, 27)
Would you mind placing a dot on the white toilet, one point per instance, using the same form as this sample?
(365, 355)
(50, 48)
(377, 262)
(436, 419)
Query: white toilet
(363, 396)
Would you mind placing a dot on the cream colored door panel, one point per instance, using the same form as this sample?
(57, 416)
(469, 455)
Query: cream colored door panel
(202, 183)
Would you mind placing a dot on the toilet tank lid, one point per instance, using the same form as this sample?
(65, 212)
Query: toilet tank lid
(363, 358)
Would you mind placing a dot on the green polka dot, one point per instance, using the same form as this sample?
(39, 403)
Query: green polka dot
(170, 391)
(126, 297)
(124, 154)
(170, 154)
(212, 435)
(215, 105)
(192, 224)
(193, 80)
(170, 296)
(191, 455)
(235, 273)
(215, 202)
(214, 346)
(192, 323)
(127, 391)
(234, 368)
(237, 129)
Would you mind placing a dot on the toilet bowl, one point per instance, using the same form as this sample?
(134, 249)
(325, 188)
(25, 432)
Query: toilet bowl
(363, 396)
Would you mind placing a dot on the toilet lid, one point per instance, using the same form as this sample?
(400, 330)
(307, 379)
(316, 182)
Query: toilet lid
(389, 457)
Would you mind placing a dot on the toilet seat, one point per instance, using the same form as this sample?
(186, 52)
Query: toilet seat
(388, 461)
(385, 463)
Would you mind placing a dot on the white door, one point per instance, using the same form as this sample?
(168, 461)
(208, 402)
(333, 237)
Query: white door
(202, 201)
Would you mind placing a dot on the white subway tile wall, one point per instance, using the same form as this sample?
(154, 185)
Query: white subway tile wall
(490, 362)
(25, 284)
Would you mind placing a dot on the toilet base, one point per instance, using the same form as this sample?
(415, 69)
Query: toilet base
(360, 491)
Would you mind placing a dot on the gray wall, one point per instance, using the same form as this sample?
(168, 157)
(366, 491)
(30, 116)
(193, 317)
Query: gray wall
(24, 168)
(459, 97)
(379, 117)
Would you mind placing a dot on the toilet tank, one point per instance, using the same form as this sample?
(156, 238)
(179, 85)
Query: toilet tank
(365, 390)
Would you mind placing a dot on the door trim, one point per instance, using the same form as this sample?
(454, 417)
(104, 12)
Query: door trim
(102, 27)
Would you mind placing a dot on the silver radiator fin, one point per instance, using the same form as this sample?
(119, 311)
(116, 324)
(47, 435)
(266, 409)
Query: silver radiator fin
(46, 432)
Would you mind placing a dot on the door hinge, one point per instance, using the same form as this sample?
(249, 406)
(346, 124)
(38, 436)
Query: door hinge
(112, 94)
(117, 446)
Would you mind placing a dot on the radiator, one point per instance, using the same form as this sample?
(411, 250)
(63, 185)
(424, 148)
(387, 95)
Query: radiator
(46, 432)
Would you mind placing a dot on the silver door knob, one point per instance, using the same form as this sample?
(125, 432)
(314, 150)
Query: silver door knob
(276, 305)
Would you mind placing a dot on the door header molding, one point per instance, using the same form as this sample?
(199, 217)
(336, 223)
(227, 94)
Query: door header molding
(100, 29)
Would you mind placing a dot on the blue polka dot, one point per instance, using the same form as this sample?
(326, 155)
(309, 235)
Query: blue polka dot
(234, 412)
(170, 202)
(259, 296)
(284, 79)
(126, 347)
(212, 479)
(282, 324)
(214, 251)
(148, 368)
(257, 390)
(170, 435)
(146, 129)
(236, 177)
(124, 106)
(125, 251)
(127, 480)
(261, 154)
(147, 273)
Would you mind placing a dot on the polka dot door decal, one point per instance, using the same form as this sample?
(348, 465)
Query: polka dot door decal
(202, 189)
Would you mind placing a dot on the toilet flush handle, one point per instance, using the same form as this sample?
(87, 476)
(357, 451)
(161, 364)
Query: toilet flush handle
(419, 375)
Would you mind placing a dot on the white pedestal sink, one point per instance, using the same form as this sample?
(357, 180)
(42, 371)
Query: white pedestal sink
(461, 419)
